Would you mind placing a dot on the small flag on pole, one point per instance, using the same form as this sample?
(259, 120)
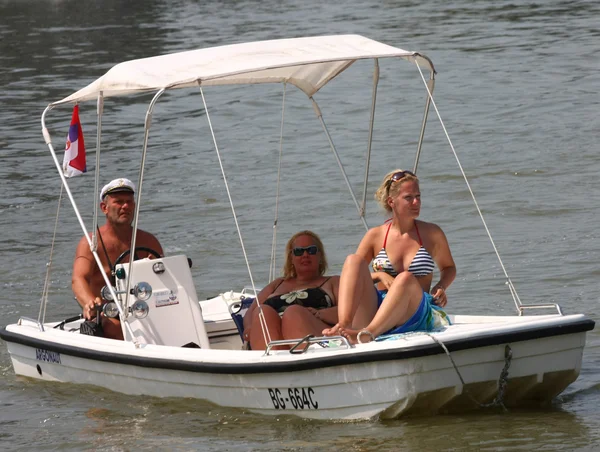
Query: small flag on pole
(74, 160)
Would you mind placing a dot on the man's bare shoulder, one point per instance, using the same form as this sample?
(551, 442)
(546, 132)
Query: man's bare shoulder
(83, 248)
(142, 233)
(145, 238)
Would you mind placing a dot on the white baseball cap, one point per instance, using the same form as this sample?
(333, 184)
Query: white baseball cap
(121, 185)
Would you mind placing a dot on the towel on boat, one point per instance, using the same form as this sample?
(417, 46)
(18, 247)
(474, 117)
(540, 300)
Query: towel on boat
(428, 317)
(238, 311)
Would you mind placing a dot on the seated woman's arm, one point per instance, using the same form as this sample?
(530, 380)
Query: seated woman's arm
(443, 259)
(260, 298)
(329, 315)
(384, 278)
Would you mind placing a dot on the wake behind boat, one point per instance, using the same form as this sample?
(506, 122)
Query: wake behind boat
(178, 346)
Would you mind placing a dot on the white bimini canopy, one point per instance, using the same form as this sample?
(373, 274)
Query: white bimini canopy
(307, 63)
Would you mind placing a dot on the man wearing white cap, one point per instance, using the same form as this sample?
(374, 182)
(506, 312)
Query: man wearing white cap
(118, 204)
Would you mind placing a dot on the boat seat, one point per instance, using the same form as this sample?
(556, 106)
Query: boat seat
(174, 316)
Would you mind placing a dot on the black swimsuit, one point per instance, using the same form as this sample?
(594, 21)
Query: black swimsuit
(315, 297)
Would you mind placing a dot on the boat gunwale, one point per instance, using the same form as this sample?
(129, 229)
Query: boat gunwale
(329, 360)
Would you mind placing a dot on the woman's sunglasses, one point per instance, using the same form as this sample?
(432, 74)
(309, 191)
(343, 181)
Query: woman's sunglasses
(299, 250)
(399, 176)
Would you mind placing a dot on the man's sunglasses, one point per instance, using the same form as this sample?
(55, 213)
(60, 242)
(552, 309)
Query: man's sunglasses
(299, 250)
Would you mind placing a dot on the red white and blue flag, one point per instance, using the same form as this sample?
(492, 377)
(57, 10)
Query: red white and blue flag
(74, 160)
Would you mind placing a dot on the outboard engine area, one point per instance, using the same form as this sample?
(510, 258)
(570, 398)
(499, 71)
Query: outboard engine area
(174, 316)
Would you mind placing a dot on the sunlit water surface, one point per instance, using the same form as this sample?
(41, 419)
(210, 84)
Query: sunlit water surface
(517, 87)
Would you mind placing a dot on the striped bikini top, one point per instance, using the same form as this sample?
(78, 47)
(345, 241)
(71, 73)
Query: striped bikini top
(421, 265)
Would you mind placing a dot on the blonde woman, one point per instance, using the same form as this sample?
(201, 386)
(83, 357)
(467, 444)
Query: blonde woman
(396, 296)
(302, 302)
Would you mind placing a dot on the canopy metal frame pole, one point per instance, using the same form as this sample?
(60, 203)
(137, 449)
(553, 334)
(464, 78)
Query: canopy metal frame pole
(138, 200)
(430, 86)
(99, 111)
(363, 208)
(339, 162)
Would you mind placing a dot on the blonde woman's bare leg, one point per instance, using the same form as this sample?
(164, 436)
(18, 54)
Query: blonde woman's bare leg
(401, 302)
(357, 297)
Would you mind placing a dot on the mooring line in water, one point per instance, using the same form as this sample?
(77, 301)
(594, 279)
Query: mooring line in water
(502, 379)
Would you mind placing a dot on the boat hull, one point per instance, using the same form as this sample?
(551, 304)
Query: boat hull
(412, 375)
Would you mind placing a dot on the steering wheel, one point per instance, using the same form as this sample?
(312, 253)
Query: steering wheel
(125, 253)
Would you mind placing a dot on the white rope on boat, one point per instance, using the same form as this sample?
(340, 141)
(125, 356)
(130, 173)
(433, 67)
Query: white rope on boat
(263, 323)
(44, 303)
(274, 242)
(512, 288)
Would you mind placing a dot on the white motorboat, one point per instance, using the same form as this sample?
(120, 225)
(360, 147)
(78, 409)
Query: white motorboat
(176, 346)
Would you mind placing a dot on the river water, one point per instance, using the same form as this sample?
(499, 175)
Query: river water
(517, 88)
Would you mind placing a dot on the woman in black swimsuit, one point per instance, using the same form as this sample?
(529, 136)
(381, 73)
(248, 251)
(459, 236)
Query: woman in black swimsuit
(301, 302)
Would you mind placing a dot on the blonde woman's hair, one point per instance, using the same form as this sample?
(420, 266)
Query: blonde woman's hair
(289, 271)
(391, 188)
